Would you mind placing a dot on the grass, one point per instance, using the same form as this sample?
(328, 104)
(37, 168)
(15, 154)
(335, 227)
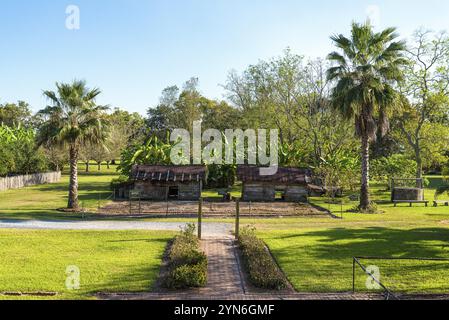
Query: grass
(315, 253)
(41, 202)
(109, 261)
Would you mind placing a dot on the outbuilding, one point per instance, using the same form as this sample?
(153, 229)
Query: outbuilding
(291, 183)
(162, 183)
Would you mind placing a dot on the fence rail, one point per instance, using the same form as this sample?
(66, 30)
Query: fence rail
(17, 182)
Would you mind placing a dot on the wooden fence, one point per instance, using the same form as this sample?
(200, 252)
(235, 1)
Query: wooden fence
(18, 182)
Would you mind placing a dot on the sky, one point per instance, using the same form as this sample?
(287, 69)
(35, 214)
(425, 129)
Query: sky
(133, 49)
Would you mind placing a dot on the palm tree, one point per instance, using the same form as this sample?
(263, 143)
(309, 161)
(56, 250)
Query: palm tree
(365, 72)
(73, 120)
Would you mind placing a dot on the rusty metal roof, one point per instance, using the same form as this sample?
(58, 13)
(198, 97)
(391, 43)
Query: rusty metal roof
(169, 173)
(291, 176)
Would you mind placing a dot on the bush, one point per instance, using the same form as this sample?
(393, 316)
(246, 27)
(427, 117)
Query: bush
(188, 276)
(19, 153)
(262, 269)
(187, 264)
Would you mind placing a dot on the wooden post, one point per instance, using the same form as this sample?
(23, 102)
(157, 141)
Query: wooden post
(140, 204)
(167, 190)
(237, 218)
(200, 218)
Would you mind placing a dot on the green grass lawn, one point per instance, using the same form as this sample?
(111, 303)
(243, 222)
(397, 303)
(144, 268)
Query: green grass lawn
(41, 202)
(316, 254)
(109, 261)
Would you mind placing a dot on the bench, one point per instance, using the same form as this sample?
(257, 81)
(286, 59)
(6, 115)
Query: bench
(411, 202)
(442, 202)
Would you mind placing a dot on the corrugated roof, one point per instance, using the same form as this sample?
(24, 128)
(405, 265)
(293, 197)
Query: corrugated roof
(282, 176)
(169, 173)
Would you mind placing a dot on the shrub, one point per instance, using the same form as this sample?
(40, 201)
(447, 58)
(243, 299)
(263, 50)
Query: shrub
(262, 269)
(187, 264)
(188, 276)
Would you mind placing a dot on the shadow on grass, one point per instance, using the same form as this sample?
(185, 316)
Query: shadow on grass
(377, 241)
(323, 259)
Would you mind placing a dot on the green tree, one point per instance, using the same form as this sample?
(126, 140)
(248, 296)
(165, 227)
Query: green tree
(15, 114)
(73, 119)
(292, 95)
(125, 128)
(366, 68)
(425, 90)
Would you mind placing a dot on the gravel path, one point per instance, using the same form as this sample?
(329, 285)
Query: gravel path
(209, 229)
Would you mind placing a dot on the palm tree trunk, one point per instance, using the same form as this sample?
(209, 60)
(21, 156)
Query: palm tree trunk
(73, 186)
(365, 201)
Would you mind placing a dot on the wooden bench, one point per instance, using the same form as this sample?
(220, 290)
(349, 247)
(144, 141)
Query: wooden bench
(411, 202)
(442, 202)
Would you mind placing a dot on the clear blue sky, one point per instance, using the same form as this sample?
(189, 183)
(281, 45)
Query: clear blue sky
(132, 49)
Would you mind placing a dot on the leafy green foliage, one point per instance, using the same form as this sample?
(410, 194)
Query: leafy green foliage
(153, 152)
(262, 269)
(340, 169)
(16, 114)
(19, 153)
(187, 264)
(221, 176)
(396, 166)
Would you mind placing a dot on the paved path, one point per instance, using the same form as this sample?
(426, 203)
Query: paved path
(210, 229)
(226, 281)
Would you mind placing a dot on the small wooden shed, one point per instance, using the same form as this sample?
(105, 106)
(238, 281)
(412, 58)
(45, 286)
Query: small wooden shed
(292, 183)
(161, 183)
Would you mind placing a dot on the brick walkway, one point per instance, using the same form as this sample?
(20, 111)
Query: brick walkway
(224, 275)
(226, 281)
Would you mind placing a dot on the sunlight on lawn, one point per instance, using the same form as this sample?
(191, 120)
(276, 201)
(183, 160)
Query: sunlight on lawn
(111, 261)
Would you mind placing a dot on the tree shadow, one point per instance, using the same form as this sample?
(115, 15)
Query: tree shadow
(322, 260)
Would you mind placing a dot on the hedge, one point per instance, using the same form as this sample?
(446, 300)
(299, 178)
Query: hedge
(187, 265)
(262, 269)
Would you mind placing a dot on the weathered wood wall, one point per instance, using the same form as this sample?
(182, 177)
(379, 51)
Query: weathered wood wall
(296, 194)
(259, 192)
(157, 191)
(18, 182)
(267, 192)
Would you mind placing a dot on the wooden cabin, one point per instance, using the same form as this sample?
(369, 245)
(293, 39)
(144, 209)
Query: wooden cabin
(292, 183)
(162, 183)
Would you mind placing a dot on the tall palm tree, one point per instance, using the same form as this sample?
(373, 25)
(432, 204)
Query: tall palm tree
(365, 71)
(73, 120)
